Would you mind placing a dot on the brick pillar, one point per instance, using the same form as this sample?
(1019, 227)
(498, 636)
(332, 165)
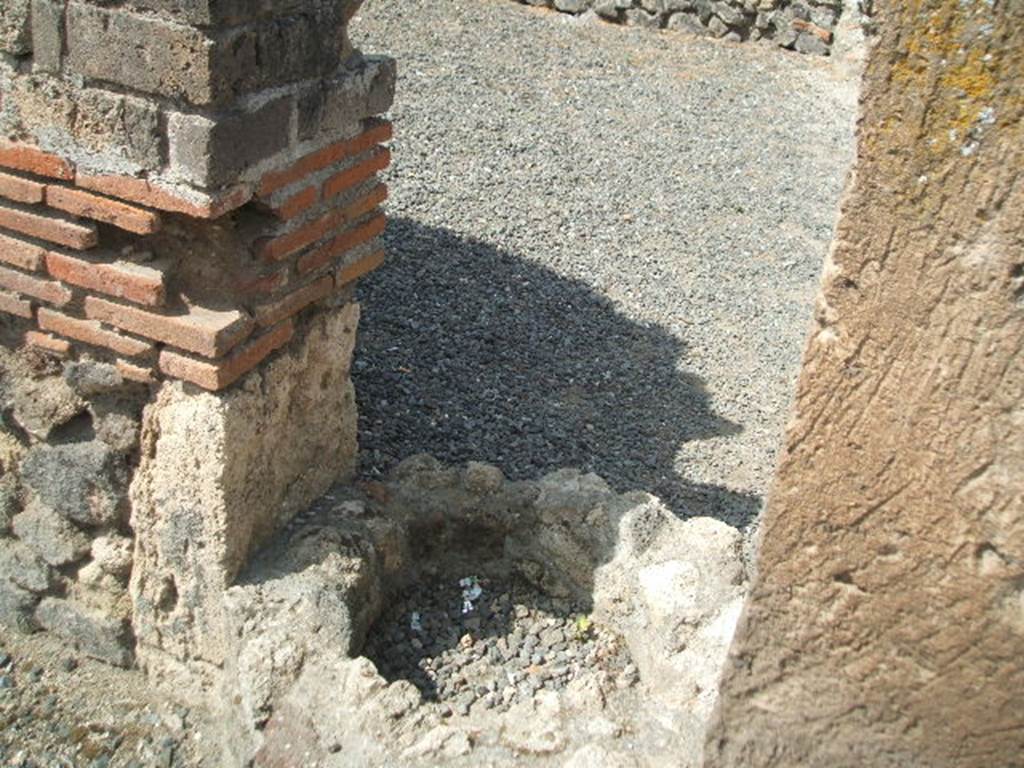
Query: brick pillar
(188, 190)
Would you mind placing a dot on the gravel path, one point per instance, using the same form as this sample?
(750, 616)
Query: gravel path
(604, 248)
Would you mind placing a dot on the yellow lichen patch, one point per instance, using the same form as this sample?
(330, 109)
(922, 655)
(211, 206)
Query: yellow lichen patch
(947, 65)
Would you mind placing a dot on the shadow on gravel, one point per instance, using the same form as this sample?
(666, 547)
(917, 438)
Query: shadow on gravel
(468, 352)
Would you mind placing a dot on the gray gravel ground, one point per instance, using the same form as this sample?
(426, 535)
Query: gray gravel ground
(604, 248)
(513, 642)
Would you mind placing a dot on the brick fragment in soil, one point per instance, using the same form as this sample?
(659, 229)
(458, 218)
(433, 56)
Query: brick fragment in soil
(514, 643)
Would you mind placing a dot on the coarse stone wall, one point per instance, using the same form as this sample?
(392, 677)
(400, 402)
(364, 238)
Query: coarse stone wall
(188, 191)
(886, 626)
(807, 26)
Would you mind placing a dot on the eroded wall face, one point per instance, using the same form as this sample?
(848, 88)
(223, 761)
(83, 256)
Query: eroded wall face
(887, 623)
(188, 191)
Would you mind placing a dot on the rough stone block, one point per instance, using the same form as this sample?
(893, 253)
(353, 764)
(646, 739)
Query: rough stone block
(229, 469)
(40, 405)
(140, 52)
(212, 152)
(15, 32)
(21, 566)
(730, 14)
(808, 42)
(167, 58)
(280, 50)
(686, 21)
(56, 540)
(94, 634)
(317, 598)
(365, 89)
(95, 127)
(9, 502)
(112, 554)
(47, 35)
(640, 18)
(223, 12)
(83, 482)
(17, 607)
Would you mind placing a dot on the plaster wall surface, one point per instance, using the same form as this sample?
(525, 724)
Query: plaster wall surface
(886, 626)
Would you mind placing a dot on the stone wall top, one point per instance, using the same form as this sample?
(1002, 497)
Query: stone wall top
(191, 95)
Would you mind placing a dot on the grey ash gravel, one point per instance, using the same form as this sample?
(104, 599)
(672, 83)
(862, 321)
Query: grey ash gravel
(515, 642)
(603, 249)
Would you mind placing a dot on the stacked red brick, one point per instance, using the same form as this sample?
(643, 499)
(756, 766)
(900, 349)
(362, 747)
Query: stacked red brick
(57, 271)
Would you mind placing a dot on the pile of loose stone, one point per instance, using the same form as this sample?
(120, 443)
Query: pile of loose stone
(514, 642)
(806, 26)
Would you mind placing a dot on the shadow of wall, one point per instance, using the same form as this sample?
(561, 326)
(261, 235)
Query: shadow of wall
(528, 370)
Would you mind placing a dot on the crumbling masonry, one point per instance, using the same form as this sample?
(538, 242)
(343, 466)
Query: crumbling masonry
(187, 192)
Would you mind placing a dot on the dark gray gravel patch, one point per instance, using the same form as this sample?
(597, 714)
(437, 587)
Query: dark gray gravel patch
(514, 642)
(604, 249)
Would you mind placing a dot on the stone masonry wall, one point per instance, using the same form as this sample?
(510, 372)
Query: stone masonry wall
(68, 444)
(807, 26)
(886, 626)
(129, 128)
(166, 295)
(188, 190)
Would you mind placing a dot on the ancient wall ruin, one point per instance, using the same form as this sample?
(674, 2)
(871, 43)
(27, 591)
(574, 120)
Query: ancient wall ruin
(807, 26)
(187, 192)
(887, 623)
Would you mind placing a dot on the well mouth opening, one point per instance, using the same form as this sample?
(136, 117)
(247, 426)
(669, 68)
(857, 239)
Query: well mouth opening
(449, 614)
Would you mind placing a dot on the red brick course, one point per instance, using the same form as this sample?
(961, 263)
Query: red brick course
(91, 332)
(376, 131)
(219, 374)
(47, 343)
(20, 254)
(297, 203)
(350, 177)
(346, 241)
(121, 215)
(134, 282)
(163, 199)
(203, 331)
(284, 246)
(43, 201)
(354, 271)
(48, 226)
(44, 290)
(25, 157)
(275, 311)
(21, 190)
(13, 305)
(251, 285)
(135, 372)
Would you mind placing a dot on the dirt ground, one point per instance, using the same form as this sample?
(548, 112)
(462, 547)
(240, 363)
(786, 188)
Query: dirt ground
(59, 708)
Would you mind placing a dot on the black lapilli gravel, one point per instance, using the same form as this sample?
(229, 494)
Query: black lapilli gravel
(513, 642)
(603, 249)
